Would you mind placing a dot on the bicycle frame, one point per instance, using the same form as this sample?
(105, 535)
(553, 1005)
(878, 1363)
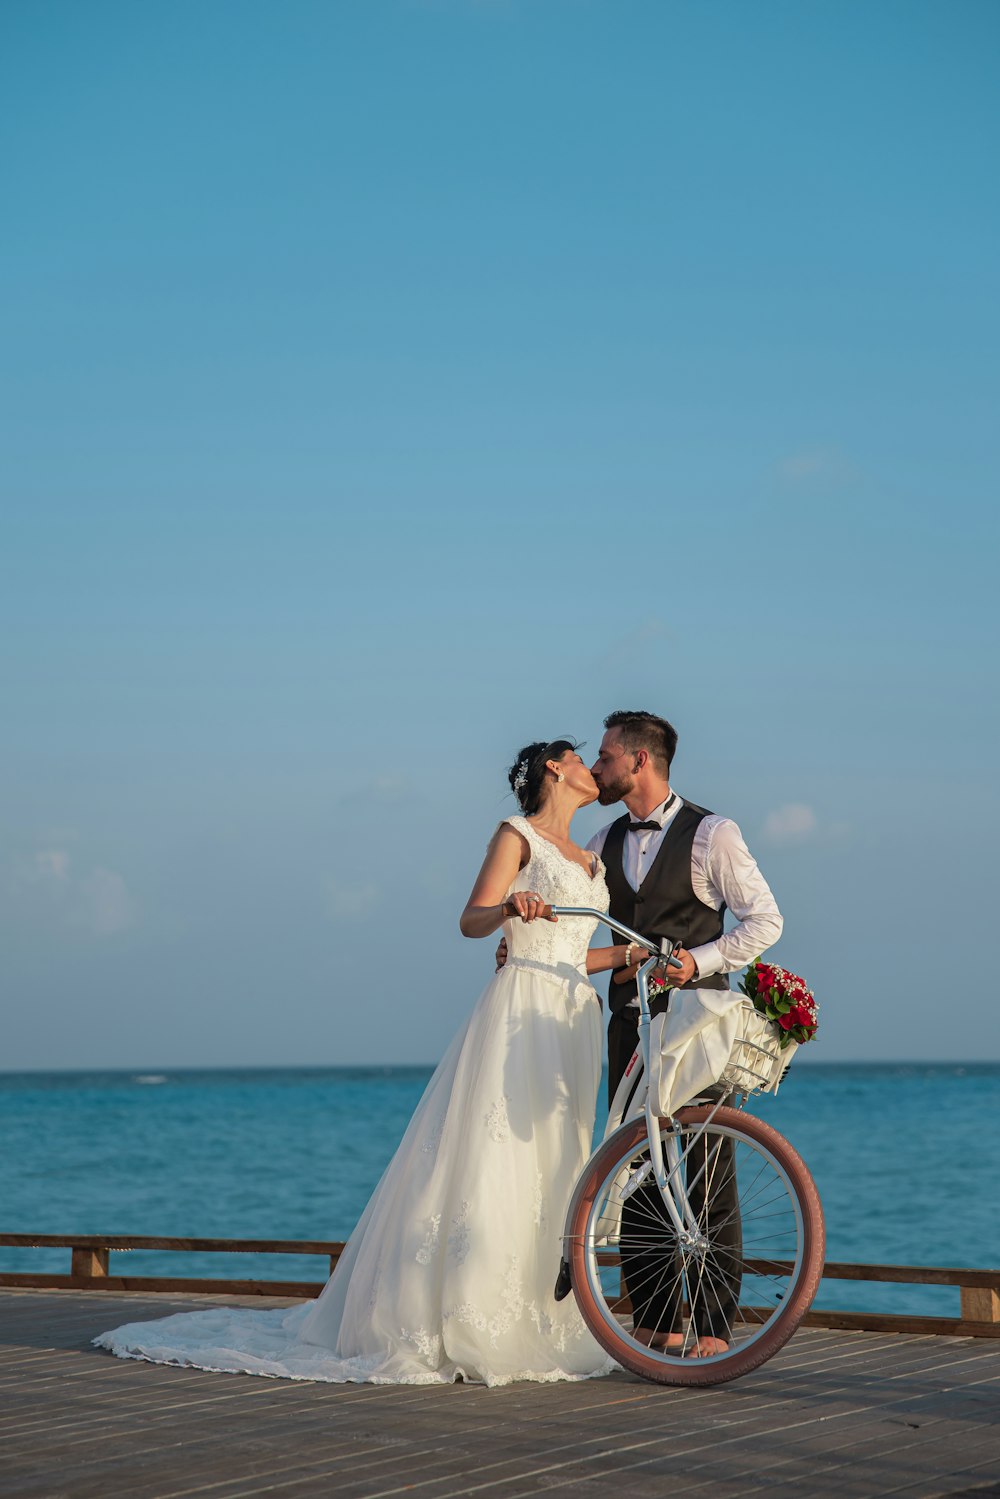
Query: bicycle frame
(595, 1224)
(667, 1176)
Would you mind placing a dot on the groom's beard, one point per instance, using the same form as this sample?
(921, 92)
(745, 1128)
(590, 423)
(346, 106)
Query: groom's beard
(613, 792)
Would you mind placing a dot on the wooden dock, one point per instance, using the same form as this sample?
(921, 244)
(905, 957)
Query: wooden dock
(845, 1414)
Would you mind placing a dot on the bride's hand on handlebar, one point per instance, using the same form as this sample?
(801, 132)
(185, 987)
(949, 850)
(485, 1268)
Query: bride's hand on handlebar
(638, 956)
(529, 906)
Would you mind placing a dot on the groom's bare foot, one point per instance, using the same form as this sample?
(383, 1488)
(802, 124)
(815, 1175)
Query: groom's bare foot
(660, 1342)
(708, 1348)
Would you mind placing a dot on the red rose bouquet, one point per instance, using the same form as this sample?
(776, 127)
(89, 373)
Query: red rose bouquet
(783, 998)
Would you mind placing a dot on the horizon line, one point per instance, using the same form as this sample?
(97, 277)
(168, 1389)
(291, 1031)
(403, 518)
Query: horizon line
(163, 1069)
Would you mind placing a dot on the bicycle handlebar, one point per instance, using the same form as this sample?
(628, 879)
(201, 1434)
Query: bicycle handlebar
(665, 947)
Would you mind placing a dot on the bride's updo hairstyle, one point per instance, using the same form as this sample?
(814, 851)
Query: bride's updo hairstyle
(527, 774)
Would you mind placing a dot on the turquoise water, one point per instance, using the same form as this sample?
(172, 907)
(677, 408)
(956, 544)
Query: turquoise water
(906, 1158)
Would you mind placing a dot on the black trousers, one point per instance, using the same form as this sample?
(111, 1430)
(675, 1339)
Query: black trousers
(623, 1038)
(650, 1259)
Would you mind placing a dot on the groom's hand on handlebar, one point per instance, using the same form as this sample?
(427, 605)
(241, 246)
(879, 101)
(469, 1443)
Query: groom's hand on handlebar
(688, 969)
(501, 953)
(676, 976)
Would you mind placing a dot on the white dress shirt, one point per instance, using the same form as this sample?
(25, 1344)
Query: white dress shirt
(723, 872)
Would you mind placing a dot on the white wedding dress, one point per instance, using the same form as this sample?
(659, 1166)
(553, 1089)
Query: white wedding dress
(451, 1269)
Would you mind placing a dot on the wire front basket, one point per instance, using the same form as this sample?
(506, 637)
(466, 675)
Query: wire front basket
(757, 1062)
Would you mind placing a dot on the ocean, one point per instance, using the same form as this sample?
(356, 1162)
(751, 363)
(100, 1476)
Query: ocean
(906, 1158)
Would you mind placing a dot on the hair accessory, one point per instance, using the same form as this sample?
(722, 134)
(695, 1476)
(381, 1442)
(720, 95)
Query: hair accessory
(521, 778)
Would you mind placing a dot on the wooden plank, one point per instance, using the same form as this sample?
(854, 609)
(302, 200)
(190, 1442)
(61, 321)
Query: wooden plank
(303, 1289)
(201, 1246)
(889, 1322)
(947, 1327)
(912, 1275)
(904, 1275)
(930, 1275)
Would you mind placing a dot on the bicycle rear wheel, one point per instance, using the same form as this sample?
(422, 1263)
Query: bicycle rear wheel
(747, 1275)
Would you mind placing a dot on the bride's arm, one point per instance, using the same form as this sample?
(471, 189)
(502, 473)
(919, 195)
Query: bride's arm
(599, 959)
(487, 907)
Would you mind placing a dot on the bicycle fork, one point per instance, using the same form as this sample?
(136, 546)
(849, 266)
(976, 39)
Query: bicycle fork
(667, 1165)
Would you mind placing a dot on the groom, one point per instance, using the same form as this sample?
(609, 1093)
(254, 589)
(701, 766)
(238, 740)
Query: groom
(673, 870)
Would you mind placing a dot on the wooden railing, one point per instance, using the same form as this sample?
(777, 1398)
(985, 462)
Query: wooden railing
(979, 1290)
(90, 1254)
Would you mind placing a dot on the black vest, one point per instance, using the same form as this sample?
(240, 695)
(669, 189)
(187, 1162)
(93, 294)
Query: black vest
(665, 904)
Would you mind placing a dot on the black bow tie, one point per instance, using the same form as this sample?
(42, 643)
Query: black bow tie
(643, 827)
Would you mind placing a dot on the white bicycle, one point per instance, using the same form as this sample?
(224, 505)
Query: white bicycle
(697, 1231)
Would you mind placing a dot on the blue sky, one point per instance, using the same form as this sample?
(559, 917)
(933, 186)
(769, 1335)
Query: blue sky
(386, 385)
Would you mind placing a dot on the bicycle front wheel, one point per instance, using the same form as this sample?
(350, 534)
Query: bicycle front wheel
(713, 1302)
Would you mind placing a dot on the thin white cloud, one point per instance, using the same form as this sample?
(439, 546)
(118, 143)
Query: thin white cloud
(816, 466)
(380, 789)
(350, 902)
(105, 905)
(51, 864)
(649, 631)
(98, 901)
(791, 823)
(390, 786)
(47, 869)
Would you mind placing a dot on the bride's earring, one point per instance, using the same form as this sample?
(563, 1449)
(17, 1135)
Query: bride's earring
(560, 776)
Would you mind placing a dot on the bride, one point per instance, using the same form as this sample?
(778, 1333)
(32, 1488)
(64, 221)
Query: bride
(450, 1272)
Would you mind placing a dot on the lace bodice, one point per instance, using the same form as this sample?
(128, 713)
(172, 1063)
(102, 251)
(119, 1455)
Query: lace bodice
(561, 882)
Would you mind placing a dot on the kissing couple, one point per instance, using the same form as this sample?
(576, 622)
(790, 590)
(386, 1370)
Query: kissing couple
(451, 1269)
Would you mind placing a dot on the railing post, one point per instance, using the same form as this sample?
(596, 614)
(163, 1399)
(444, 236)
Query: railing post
(980, 1304)
(91, 1263)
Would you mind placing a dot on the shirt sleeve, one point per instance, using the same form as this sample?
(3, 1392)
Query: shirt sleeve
(724, 870)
